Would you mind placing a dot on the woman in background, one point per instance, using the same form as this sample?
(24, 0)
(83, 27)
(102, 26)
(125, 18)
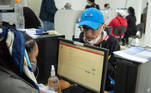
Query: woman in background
(131, 25)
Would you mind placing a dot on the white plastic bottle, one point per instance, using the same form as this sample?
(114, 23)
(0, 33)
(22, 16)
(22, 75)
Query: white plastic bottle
(53, 81)
(20, 23)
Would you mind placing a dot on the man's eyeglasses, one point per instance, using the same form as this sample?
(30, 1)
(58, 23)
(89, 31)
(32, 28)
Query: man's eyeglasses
(86, 28)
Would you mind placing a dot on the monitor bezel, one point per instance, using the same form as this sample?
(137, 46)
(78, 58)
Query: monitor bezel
(104, 74)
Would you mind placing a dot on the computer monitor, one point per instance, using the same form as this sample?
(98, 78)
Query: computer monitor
(84, 65)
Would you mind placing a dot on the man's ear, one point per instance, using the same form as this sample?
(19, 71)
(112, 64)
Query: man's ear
(102, 26)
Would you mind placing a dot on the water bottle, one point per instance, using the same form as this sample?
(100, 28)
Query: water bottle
(53, 81)
(20, 24)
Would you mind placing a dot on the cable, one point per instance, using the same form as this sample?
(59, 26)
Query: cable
(37, 71)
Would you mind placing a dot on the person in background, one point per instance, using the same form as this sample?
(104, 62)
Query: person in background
(47, 13)
(131, 27)
(92, 27)
(106, 6)
(119, 20)
(67, 6)
(92, 4)
(31, 20)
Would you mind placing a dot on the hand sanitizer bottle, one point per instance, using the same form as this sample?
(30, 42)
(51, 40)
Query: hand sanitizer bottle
(53, 81)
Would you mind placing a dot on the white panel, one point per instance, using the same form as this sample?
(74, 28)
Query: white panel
(65, 21)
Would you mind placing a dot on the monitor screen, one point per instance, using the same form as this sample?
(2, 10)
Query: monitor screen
(84, 65)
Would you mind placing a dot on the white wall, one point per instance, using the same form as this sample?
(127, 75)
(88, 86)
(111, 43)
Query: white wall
(80, 4)
(113, 3)
(136, 4)
(36, 4)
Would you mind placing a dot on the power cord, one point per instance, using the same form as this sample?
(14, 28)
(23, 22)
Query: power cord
(37, 71)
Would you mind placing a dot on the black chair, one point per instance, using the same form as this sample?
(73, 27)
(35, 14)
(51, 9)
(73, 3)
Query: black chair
(132, 38)
(31, 20)
(120, 30)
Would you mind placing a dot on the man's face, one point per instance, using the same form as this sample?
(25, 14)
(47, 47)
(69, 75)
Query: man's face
(108, 6)
(90, 33)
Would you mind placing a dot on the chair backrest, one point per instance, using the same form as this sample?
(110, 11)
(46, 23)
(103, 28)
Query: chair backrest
(120, 30)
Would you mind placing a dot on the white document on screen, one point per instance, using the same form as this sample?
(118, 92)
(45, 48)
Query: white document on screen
(137, 54)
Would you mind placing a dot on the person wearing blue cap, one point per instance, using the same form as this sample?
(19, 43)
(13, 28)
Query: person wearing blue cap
(92, 27)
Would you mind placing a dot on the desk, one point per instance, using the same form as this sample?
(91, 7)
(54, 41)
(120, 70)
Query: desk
(126, 76)
(64, 84)
(133, 77)
(48, 55)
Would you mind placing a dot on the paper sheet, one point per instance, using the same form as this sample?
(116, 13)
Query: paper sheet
(137, 54)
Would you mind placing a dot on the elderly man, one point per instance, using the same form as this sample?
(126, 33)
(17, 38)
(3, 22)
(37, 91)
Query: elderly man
(92, 27)
(67, 6)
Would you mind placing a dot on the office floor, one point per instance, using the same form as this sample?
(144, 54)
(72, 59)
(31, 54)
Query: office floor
(136, 42)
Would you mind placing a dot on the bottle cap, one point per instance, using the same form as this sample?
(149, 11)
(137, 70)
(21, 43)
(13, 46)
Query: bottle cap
(18, 1)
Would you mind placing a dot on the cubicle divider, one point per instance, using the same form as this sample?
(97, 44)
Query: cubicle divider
(65, 22)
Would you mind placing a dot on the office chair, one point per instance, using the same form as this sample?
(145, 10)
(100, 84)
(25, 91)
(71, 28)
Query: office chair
(120, 30)
(134, 38)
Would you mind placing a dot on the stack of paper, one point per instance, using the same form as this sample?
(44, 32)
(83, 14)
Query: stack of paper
(137, 54)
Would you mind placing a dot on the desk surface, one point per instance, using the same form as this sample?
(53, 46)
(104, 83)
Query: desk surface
(64, 84)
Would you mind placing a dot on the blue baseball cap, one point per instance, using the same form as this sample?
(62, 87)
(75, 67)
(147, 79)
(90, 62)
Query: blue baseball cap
(92, 18)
